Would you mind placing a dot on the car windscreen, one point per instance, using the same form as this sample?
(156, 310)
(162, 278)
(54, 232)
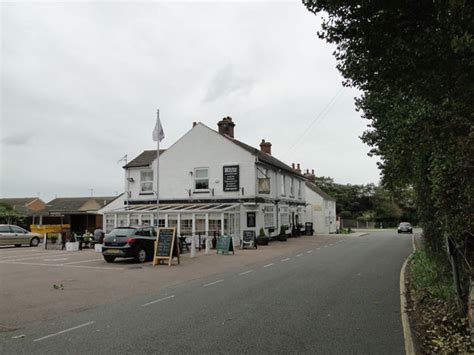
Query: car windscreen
(122, 232)
(404, 224)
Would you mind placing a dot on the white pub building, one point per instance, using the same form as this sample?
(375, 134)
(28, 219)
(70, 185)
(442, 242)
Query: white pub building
(210, 183)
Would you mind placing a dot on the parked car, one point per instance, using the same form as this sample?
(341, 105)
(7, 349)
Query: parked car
(405, 227)
(17, 236)
(129, 242)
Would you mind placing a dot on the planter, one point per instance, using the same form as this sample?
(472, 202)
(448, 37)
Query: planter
(262, 241)
(282, 237)
(72, 246)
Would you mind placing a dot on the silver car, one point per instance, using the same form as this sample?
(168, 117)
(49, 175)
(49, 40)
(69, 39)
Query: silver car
(14, 235)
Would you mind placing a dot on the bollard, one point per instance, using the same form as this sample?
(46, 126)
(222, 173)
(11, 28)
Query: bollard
(45, 241)
(208, 247)
(193, 247)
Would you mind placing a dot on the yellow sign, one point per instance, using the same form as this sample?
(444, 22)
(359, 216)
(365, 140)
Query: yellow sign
(317, 208)
(50, 228)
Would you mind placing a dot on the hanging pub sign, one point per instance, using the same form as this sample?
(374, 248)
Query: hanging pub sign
(231, 178)
(166, 246)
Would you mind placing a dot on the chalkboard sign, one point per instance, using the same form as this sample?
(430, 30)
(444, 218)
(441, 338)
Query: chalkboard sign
(249, 239)
(166, 246)
(231, 178)
(308, 228)
(225, 244)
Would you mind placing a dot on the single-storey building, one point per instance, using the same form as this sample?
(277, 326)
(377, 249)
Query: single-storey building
(31, 208)
(81, 213)
(211, 182)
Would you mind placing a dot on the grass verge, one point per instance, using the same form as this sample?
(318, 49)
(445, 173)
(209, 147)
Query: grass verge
(437, 325)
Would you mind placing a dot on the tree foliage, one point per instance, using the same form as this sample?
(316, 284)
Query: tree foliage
(9, 215)
(414, 63)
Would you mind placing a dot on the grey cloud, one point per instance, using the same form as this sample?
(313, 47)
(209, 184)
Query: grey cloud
(228, 81)
(17, 139)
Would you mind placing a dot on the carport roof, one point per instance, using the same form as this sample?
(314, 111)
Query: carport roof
(177, 207)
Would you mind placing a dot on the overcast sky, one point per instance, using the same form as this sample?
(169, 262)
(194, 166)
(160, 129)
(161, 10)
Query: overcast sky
(81, 83)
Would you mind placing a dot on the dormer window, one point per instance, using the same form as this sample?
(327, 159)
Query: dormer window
(146, 181)
(201, 178)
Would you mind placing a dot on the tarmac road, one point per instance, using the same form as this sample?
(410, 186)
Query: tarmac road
(342, 298)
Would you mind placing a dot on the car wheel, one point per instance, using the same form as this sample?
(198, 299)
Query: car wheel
(34, 242)
(141, 256)
(17, 245)
(109, 259)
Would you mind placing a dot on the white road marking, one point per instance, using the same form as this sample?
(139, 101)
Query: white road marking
(80, 262)
(245, 272)
(63, 265)
(38, 253)
(65, 331)
(299, 255)
(213, 283)
(268, 265)
(31, 257)
(156, 301)
(318, 248)
(285, 259)
(60, 259)
(309, 251)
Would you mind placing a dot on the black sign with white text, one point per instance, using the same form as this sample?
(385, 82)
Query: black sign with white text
(231, 178)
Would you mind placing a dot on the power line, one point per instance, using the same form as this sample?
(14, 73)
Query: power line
(320, 115)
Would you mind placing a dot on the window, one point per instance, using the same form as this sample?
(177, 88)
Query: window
(4, 229)
(201, 178)
(109, 222)
(268, 217)
(134, 220)
(214, 226)
(122, 220)
(146, 219)
(299, 188)
(284, 216)
(283, 187)
(16, 229)
(146, 181)
(292, 187)
(186, 225)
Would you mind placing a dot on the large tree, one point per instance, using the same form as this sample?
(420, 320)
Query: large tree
(413, 62)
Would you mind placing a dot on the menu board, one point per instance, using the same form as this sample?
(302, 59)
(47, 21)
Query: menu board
(166, 246)
(231, 178)
(225, 244)
(308, 227)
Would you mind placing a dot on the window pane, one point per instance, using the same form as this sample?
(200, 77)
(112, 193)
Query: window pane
(201, 173)
(202, 184)
(147, 186)
(147, 175)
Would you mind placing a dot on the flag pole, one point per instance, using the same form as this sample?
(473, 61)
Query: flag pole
(158, 174)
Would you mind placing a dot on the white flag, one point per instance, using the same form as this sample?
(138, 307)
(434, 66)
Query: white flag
(158, 133)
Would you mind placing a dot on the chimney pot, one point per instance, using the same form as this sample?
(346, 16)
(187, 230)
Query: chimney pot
(194, 124)
(293, 166)
(266, 147)
(312, 171)
(226, 126)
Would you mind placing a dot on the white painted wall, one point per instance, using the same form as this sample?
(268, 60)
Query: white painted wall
(321, 212)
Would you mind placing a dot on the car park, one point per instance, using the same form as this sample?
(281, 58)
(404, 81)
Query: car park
(17, 236)
(405, 227)
(129, 242)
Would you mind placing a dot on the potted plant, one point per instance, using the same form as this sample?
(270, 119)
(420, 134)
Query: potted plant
(262, 239)
(282, 236)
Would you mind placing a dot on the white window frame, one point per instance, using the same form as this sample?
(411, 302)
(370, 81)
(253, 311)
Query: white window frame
(299, 188)
(268, 217)
(283, 185)
(292, 187)
(284, 216)
(143, 181)
(196, 179)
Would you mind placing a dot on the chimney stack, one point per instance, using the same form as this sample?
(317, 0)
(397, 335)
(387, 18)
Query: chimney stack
(194, 124)
(293, 166)
(298, 168)
(310, 176)
(226, 126)
(266, 147)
